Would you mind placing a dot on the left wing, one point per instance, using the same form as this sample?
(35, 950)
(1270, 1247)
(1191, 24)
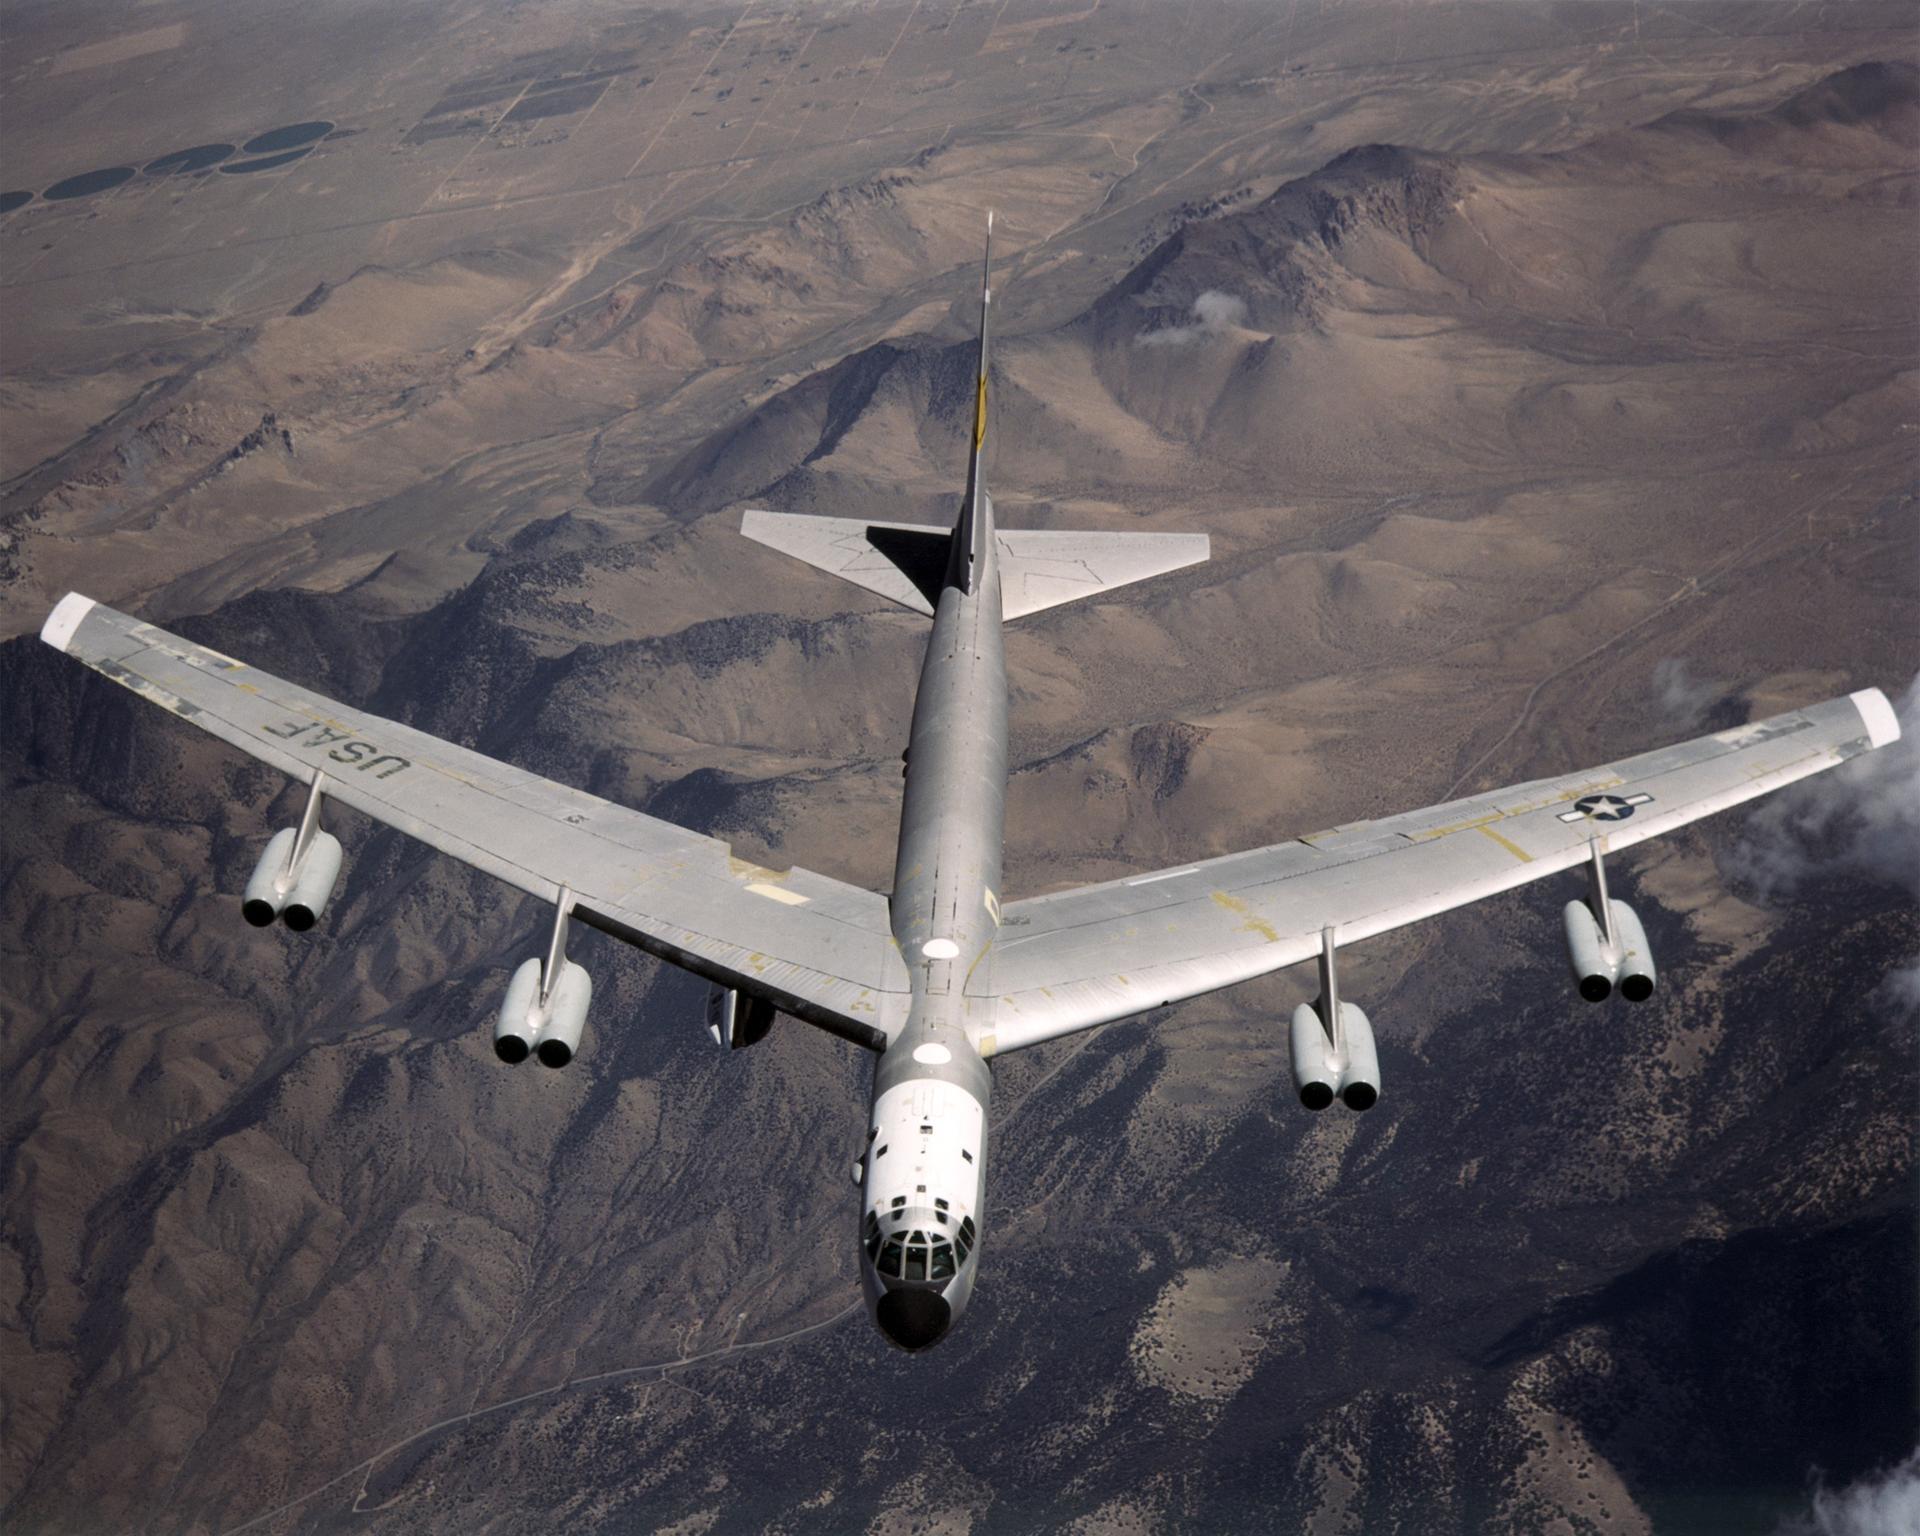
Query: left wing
(1088, 956)
(818, 949)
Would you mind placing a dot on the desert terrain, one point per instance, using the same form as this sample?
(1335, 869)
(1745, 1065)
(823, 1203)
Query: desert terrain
(1546, 377)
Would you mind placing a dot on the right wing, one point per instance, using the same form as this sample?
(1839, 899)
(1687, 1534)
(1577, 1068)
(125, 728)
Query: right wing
(817, 948)
(1103, 952)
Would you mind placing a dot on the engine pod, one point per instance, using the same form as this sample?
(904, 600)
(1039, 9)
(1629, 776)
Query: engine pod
(1636, 975)
(566, 1016)
(266, 890)
(1314, 1074)
(1594, 970)
(1360, 1081)
(313, 882)
(519, 1021)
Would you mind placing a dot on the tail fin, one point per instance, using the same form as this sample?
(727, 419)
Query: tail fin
(973, 532)
(909, 563)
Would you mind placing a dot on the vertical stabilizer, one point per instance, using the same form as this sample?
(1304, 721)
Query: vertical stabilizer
(973, 532)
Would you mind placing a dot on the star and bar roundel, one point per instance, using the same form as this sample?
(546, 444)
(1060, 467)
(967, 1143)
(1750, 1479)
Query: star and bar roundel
(1605, 807)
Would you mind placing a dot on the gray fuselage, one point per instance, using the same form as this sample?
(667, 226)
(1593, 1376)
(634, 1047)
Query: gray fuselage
(924, 1169)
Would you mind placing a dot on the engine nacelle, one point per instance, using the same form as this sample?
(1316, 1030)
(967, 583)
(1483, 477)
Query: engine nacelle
(525, 1028)
(1599, 967)
(297, 894)
(265, 893)
(519, 1023)
(1636, 976)
(313, 882)
(1322, 1073)
(736, 1020)
(1594, 970)
(566, 1016)
(1360, 1085)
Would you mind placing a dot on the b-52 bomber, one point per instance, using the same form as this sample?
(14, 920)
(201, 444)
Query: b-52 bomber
(945, 974)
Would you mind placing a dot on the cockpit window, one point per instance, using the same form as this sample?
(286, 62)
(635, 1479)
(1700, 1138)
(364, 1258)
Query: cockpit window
(942, 1262)
(917, 1263)
(890, 1260)
(898, 1201)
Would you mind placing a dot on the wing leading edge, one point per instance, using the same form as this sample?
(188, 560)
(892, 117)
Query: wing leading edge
(1084, 957)
(819, 949)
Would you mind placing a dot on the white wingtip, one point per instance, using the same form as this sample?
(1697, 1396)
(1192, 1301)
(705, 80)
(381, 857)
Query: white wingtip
(66, 617)
(1883, 725)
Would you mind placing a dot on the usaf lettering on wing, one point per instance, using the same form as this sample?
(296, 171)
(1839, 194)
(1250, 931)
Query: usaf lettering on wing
(352, 751)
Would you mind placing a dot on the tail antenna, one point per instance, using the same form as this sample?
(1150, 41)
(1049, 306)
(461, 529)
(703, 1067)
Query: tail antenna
(986, 300)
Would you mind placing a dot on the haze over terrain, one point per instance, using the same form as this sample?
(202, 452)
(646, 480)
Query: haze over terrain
(1545, 377)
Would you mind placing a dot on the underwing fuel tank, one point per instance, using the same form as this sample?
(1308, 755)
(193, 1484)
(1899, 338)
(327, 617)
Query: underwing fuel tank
(1323, 1070)
(549, 1029)
(736, 1020)
(297, 894)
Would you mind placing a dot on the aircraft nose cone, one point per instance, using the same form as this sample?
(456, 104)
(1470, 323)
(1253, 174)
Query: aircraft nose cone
(913, 1319)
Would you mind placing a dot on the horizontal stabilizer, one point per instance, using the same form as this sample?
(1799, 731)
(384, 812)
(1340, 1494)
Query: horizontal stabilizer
(905, 562)
(1042, 568)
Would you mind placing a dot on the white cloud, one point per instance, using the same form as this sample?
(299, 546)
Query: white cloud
(1214, 313)
(1683, 698)
(1861, 819)
(1887, 1504)
(1899, 994)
